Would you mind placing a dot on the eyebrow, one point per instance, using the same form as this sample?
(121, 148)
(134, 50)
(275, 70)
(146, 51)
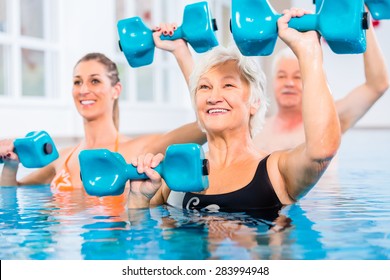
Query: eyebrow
(283, 71)
(92, 75)
(223, 78)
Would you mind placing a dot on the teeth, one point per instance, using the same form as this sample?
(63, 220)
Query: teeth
(87, 102)
(215, 111)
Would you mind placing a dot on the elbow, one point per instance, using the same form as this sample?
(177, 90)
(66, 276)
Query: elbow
(332, 151)
(329, 152)
(381, 86)
(327, 148)
(333, 146)
(385, 85)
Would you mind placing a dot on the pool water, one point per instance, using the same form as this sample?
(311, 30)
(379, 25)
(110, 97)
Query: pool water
(345, 217)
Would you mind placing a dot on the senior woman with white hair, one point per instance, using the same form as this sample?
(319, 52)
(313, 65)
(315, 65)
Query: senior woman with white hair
(227, 91)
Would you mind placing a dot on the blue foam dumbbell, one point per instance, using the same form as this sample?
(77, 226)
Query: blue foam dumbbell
(184, 169)
(136, 39)
(341, 22)
(379, 9)
(36, 149)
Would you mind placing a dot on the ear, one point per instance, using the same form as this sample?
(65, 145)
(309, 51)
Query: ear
(254, 107)
(117, 89)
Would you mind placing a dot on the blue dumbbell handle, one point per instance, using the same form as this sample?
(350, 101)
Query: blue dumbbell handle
(304, 23)
(310, 22)
(178, 34)
(132, 174)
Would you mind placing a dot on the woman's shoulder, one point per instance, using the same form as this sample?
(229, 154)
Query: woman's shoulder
(66, 150)
(63, 155)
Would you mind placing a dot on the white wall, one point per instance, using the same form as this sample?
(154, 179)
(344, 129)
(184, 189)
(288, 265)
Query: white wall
(91, 29)
(87, 26)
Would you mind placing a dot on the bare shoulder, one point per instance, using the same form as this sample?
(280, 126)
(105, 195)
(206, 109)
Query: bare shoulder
(63, 155)
(66, 150)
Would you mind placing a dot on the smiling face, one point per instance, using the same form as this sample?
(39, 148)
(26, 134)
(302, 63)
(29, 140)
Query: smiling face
(93, 92)
(288, 84)
(222, 100)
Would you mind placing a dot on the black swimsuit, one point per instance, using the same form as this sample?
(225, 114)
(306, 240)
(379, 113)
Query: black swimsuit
(259, 194)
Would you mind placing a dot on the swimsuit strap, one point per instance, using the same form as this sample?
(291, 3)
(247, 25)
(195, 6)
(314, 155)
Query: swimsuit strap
(75, 148)
(69, 156)
(116, 142)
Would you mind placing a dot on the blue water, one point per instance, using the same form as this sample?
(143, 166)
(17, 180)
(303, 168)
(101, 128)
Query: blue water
(346, 216)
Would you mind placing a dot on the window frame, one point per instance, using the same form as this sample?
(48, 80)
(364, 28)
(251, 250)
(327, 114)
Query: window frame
(13, 42)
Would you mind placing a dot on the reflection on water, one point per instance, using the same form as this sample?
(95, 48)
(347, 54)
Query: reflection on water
(346, 216)
(37, 224)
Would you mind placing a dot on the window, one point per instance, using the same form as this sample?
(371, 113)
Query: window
(145, 84)
(31, 24)
(28, 48)
(3, 15)
(156, 83)
(3, 48)
(3, 78)
(33, 72)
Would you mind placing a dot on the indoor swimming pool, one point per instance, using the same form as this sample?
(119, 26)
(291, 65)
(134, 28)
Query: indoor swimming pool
(345, 217)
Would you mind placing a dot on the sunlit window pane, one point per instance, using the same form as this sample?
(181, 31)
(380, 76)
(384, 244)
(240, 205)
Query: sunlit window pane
(145, 74)
(33, 73)
(3, 16)
(165, 87)
(120, 10)
(123, 76)
(2, 71)
(31, 18)
(144, 11)
(145, 84)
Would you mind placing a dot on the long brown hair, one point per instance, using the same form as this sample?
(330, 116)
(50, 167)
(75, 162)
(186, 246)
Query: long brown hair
(113, 75)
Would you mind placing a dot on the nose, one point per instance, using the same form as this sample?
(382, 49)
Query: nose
(84, 88)
(289, 82)
(214, 97)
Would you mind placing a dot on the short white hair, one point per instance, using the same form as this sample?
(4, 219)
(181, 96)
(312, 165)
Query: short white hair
(249, 69)
(283, 53)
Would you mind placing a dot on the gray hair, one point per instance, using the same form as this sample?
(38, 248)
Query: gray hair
(250, 71)
(282, 54)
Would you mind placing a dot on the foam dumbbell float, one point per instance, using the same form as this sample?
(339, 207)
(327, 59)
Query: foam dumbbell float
(104, 173)
(342, 23)
(379, 9)
(136, 39)
(35, 150)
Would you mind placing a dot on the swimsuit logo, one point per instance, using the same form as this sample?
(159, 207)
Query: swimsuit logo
(193, 202)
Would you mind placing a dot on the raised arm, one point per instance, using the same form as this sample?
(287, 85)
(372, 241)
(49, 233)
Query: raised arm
(178, 48)
(294, 172)
(354, 105)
